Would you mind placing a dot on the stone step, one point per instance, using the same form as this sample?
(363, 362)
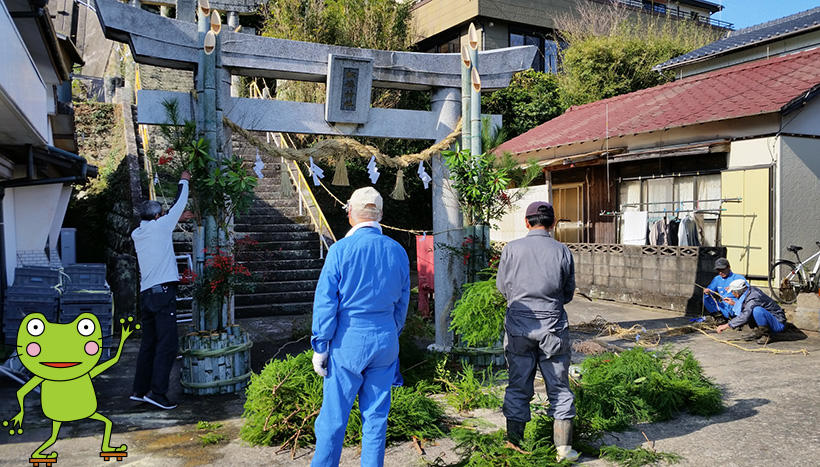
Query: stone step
(285, 275)
(290, 202)
(285, 286)
(274, 309)
(288, 211)
(274, 255)
(266, 228)
(256, 298)
(284, 264)
(306, 235)
(282, 245)
(267, 219)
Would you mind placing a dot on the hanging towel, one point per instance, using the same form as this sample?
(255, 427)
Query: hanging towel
(634, 232)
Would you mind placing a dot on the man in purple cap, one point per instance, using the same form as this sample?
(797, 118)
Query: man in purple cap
(536, 275)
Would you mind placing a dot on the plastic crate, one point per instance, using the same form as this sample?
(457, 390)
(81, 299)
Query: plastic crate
(36, 276)
(85, 276)
(73, 297)
(70, 311)
(18, 306)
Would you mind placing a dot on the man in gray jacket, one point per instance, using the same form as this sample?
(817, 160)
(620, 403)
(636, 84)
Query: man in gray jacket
(153, 242)
(536, 275)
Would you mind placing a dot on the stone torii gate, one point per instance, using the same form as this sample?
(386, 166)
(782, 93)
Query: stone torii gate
(165, 42)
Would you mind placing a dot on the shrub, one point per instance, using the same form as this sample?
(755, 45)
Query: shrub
(284, 399)
(640, 386)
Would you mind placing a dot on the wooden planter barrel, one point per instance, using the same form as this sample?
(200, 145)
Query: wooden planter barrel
(215, 362)
(481, 357)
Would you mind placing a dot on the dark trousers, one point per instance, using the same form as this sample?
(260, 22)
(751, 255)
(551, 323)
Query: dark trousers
(160, 340)
(530, 343)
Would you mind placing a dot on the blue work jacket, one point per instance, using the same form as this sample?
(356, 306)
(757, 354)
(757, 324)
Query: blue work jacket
(366, 276)
(721, 285)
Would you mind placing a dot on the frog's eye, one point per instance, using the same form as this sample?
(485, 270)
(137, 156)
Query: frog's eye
(85, 327)
(35, 327)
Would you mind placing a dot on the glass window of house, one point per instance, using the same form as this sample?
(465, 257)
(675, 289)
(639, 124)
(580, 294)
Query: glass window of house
(530, 38)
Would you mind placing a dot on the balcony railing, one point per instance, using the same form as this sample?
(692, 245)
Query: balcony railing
(674, 12)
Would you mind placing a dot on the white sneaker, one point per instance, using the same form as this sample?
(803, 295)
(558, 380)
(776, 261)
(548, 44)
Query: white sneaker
(566, 453)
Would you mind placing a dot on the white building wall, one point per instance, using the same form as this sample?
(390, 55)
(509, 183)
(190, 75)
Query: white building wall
(511, 226)
(35, 208)
(23, 94)
(756, 152)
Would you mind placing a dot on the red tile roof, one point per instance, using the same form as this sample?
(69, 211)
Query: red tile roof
(759, 87)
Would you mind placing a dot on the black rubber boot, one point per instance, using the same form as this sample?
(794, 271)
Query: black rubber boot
(515, 431)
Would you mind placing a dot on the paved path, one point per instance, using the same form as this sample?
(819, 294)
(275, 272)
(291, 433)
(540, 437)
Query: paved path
(773, 405)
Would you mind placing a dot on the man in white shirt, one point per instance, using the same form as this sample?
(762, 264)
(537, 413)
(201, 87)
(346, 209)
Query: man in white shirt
(153, 241)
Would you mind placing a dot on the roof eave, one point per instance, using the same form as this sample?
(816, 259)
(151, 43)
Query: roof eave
(661, 68)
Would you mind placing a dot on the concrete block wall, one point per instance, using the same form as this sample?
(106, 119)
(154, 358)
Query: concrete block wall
(657, 276)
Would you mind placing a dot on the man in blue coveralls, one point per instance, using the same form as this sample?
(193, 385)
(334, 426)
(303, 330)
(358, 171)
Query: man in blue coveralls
(756, 309)
(720, 286)
(358, 313)
(536, 275)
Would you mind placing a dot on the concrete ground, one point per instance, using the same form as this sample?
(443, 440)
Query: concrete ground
(772, 408)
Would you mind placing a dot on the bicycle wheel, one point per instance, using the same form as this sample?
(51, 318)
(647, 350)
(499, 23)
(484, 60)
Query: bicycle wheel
(785, 281)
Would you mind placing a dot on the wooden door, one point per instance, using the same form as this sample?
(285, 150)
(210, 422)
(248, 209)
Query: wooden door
(567, 199)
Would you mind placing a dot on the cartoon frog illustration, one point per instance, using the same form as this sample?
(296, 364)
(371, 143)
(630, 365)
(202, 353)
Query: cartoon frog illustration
(63, 358)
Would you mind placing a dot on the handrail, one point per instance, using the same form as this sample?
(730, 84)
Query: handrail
(143, 130)
(321, 223)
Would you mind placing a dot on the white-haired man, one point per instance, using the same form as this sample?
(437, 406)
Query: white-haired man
(358, 313)
(756, 309)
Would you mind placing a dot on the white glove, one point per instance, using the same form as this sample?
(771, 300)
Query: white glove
(319, 362)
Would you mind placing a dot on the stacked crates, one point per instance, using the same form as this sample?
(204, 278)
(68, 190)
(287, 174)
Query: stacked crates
(34, 291)
(85, 291)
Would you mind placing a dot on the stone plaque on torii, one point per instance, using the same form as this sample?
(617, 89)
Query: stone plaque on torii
(349, 73)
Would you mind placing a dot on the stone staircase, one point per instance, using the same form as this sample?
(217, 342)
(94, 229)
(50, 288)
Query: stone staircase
(285, 258)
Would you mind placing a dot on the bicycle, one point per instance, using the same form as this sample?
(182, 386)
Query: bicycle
(787, 279)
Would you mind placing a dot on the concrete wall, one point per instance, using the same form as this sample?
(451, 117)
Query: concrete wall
(799, 195)
(657, 276)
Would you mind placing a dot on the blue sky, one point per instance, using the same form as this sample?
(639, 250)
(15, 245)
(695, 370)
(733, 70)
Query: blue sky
(745, 13)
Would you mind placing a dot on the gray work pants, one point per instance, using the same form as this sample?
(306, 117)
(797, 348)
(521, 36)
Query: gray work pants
(543, 342)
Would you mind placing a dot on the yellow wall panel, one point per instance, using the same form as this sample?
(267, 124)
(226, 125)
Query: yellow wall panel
(744, 226)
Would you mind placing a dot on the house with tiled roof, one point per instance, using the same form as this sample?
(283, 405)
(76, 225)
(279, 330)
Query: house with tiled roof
(782, 36)
(736, 149)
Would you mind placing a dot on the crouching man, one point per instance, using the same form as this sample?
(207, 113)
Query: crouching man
(756, 309)
(536, 275)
